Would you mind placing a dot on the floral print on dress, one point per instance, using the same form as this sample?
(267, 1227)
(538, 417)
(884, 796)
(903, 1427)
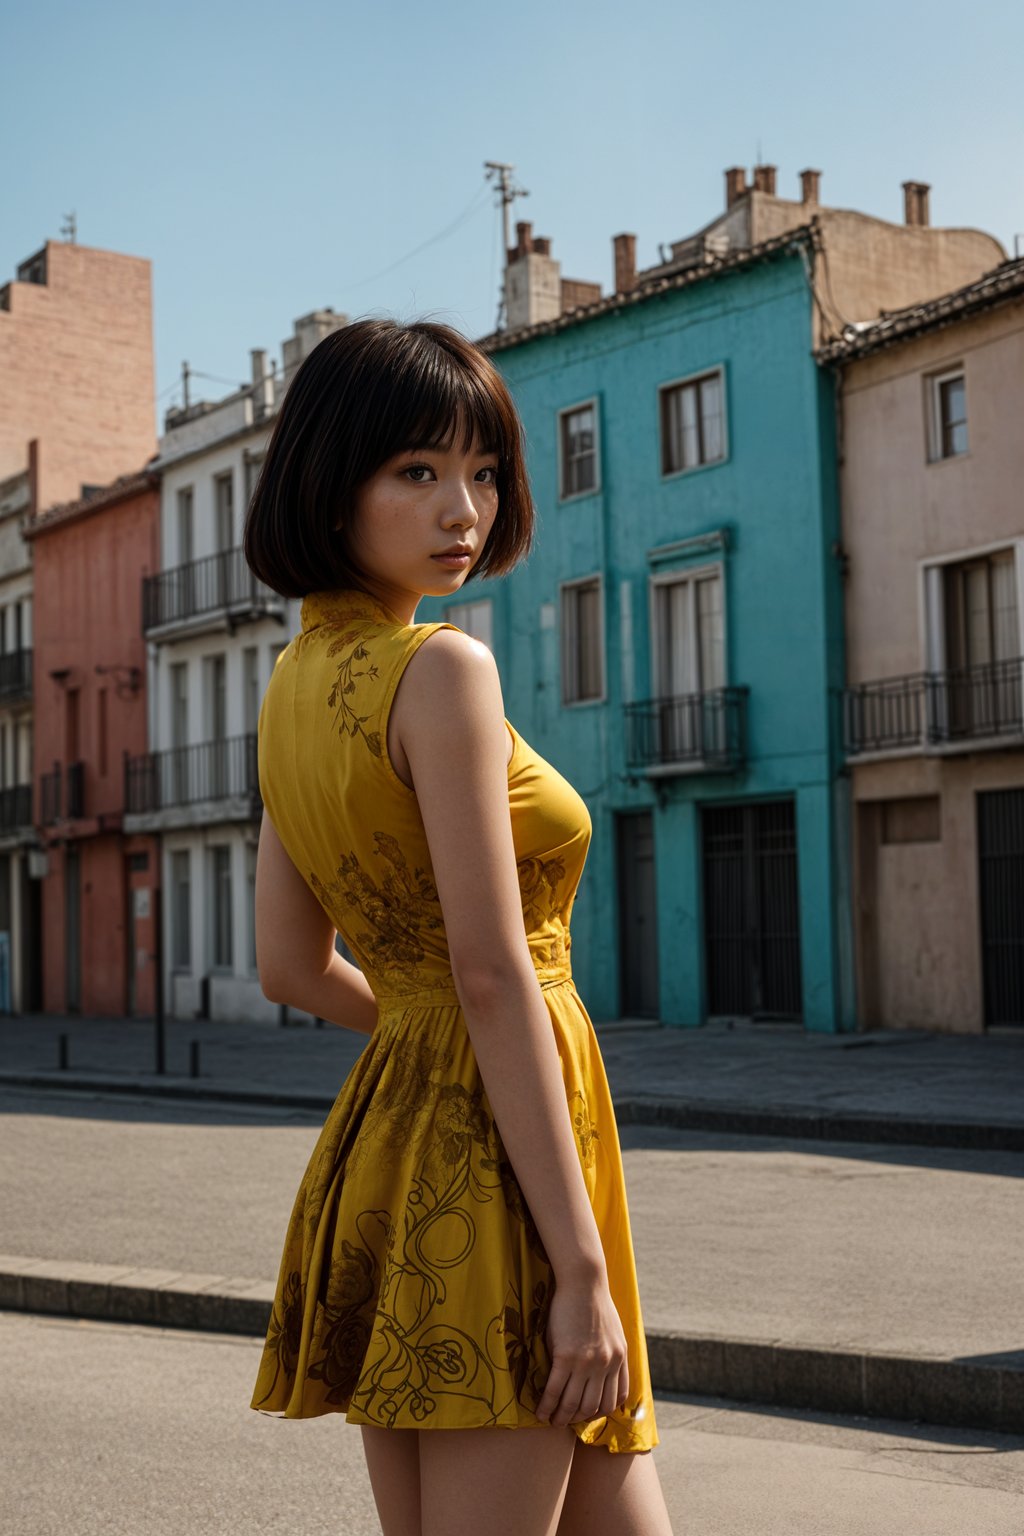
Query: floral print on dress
(340, 698)
(384, 921)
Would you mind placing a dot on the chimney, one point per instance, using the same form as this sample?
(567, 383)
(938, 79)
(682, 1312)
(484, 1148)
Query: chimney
(810, 186)
(735, 184)
(524, 241)
(915, 202)
(624, 247)
(541, 245)
(764, 179)
(262, 383)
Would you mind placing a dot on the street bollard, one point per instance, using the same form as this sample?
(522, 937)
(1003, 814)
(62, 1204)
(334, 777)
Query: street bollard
(282, 1015)
(62, 1052)
(193, 1058)
(318, 1022)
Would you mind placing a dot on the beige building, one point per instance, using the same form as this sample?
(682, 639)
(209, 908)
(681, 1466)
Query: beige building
(932, 484)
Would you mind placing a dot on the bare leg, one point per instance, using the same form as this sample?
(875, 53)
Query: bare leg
(393, 1462)
(613, 1495)
(505, 1482)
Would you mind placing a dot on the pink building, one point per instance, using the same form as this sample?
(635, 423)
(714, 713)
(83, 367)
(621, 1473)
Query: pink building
(932, 457)
(90, 555)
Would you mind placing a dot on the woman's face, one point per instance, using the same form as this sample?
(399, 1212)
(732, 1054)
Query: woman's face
(421, 522)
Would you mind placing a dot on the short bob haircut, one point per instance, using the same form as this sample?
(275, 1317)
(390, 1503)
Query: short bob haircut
(367, 392)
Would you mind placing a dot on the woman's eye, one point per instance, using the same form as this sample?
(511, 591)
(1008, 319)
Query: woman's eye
(417, 473)
(491, 473)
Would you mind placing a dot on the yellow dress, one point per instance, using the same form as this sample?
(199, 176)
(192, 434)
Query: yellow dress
(414, 1289)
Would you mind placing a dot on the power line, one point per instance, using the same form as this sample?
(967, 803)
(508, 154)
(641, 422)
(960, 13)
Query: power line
(442, 234)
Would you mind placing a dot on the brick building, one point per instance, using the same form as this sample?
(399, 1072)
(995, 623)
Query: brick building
(90, 558)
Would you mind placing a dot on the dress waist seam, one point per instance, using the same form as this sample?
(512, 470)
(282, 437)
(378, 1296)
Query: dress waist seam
(445, 994)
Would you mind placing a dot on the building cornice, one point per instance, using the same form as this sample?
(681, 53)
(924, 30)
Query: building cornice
(807, 237)
(122, 489)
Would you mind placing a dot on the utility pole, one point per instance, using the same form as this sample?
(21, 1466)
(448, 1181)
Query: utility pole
(186, 374)
(507, 192)
(69, 229)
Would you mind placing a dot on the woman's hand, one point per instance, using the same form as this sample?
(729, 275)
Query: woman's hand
(589, 1372)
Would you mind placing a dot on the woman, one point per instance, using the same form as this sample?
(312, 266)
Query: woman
(459, 1255)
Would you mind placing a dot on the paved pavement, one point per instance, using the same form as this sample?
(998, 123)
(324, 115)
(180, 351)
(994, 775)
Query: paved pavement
(138, 1432)
(843, 1276)
(903, 1087)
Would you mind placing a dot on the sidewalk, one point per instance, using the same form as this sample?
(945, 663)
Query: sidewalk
(755, 1079)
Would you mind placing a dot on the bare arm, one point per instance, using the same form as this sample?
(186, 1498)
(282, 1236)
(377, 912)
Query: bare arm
(451, 727)
(295, 953)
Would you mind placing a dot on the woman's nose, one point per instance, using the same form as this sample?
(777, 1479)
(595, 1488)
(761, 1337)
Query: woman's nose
(460, 508)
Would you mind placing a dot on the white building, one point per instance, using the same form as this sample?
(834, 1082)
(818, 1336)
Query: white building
(20, 974)
(213, 634)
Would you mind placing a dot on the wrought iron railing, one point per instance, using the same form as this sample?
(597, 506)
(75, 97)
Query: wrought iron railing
(49, 796)
(935, 708)
(210, 770)
(221, 582)
(702, 729)
(16, 675)
(15, 807)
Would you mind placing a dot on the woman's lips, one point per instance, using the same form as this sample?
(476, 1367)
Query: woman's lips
(454, 561)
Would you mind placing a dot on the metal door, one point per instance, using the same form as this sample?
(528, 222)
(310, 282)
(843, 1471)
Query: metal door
(638, 927)
(1001, 889)
(751, 910)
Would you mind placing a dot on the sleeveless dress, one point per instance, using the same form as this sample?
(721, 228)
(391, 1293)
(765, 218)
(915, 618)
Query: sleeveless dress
(414, 1289)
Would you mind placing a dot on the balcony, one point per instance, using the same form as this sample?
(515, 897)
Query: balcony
(15, 809)
(69, 805)
(16, 676)
(205, 782)
(694, 732)
(218, 592)
(49, 796)
(937, 712)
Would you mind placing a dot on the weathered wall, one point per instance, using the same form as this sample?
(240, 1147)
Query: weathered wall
(76, 371)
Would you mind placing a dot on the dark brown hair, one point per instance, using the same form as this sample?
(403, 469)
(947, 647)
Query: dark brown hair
(367, 392)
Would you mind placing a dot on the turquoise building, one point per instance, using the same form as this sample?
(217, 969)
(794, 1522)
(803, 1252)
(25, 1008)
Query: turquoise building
(674, 644)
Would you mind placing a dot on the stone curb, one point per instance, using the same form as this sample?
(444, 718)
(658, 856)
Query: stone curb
(633, 1109)
(765, 1371)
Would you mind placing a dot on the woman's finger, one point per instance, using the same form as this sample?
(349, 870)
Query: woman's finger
(553, 1389)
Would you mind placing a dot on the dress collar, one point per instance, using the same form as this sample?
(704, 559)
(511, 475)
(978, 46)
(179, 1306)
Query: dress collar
(342, 605)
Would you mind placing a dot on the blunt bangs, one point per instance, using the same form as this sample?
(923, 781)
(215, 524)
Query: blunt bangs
(366, 393)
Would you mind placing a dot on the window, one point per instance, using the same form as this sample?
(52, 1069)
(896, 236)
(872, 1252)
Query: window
(250, 885)
(476, 619)
(692, 423)
(250, 689)
(224, 510)
(577, 450)
(689, 634)
(221, 954)
(181, 910)
(253, 465)
(947, 415)
(186, 525)
(582, 642)
(101, 730)
(179, 703)
(973, 644)
(215, 677)
(688, 648)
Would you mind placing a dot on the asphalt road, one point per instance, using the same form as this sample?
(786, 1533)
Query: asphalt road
(119, 1431)
(892, 1248)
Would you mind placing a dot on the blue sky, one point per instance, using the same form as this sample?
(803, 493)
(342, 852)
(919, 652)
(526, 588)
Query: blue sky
(272, 159)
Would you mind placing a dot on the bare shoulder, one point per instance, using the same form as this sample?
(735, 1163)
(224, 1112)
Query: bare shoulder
(450, 694)
(449, 665)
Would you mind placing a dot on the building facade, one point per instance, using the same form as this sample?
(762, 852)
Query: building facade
(933, 530)
(213, 633)
(99, 886)
(76, 369)
(676, 643)
(20, 866)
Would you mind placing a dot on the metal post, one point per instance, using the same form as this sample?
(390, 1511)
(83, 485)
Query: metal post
(62, 1052)
(161, 1029)
(193, 1058)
